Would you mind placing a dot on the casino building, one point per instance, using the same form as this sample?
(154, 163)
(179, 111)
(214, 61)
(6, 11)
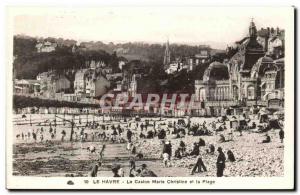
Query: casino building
(251, 75)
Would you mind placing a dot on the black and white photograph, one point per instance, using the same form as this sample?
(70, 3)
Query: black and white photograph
(150, 97)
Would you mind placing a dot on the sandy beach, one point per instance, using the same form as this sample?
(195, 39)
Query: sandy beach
(56, 158)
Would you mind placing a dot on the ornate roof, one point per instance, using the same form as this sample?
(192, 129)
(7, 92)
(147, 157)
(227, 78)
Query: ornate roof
(249, 51)
(216, 71)
(265, 59)
(259, 67)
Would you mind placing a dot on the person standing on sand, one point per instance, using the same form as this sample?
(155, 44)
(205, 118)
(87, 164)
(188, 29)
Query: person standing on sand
(214, 127)
(63, 134)
(41, 137)
(101, 153)
(281, 135)
(166, 160)
(199, 164)
(132, 163)
(33, 136)
(220, 162)
(114, 135)
(95, 169)
(168, 149)
(182, 147)
(230, 156)
(129, 135)
(93, 136)
(115, 168)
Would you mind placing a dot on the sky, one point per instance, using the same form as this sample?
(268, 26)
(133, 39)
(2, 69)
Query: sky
(218, 26)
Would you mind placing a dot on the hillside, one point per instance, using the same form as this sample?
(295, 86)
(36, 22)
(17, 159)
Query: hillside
(147, 58)
(28, 61)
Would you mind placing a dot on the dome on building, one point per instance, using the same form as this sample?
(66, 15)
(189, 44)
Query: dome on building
(261, 66)
(265, 59)
(216, 71)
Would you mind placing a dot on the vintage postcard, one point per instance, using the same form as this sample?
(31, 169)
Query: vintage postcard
(150, 98)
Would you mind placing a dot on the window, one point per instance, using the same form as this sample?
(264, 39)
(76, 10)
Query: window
(250, 93)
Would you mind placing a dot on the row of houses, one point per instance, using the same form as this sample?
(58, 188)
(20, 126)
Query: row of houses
(45, 47)
(83, 86)
(186, 62)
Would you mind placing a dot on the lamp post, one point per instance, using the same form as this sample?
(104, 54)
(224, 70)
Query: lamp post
(55, 121)
(30, 119)
(93, 120)
(72, 128)
(87, 116)
(64, 116)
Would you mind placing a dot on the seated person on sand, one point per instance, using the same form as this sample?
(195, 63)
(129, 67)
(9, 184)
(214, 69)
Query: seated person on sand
(133, 150)
(150, 134)
(195, 151)
(221, 139)
(267, 139)
(182, 147)
(115, 169)
(161, 134)
(145, 172)
(203, 131)
(193, 130)
(201, 142)
(220, 128)
(134, 173)
(253, 125)
(142, 136)
(178, 153)
(211, 149)
(121, 172)
(230, 155)
(91, 149)
(181, 134)
(139, 155)
(197, 132)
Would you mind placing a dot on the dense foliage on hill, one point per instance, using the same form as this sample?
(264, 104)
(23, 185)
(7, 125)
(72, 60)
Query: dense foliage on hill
(28, 63)
(140, 57)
